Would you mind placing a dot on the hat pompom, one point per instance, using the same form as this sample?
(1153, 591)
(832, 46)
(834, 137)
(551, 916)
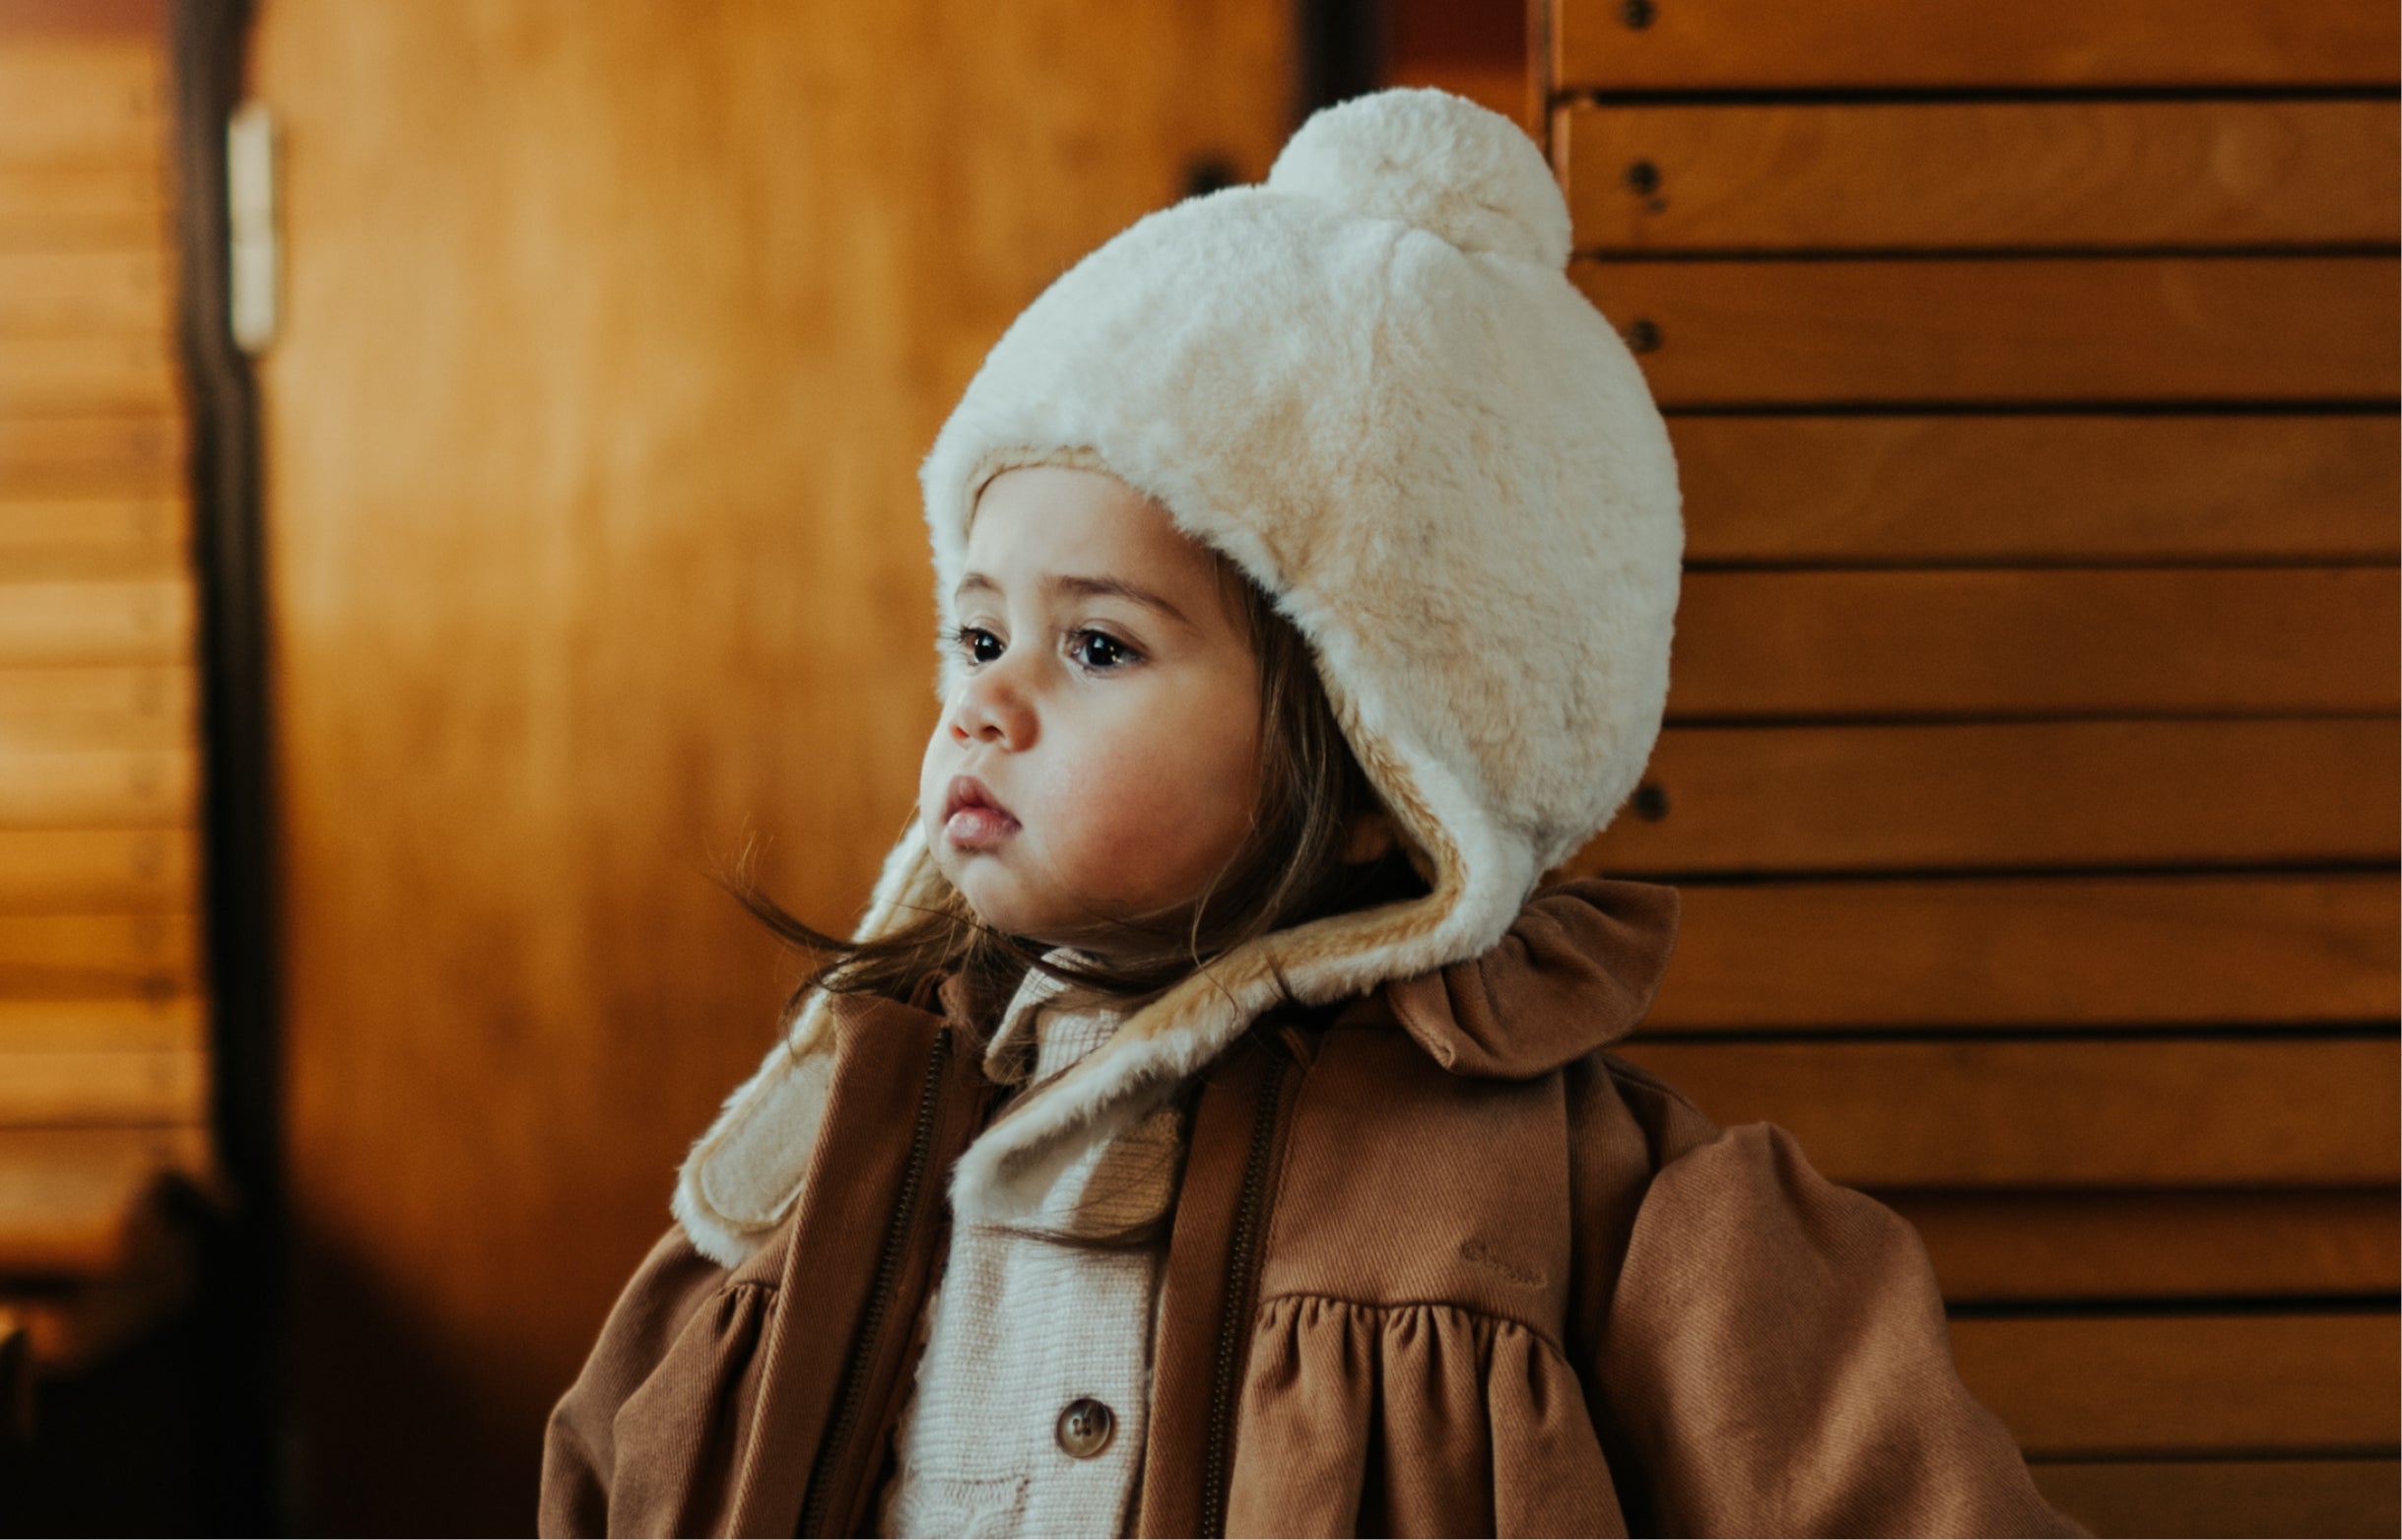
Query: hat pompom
(1433, 161)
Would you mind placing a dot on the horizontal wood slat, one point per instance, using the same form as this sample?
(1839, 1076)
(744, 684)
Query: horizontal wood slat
(68, 623)
(88, 206)
(83, 294)
(68, 461)
(2012, 797)
(55, 953)
(2038, 642)
(2037, 329)
(69, 1197)
(1828, 45)
(67, 1090)
(2015, 1247)
(1985, 175)
(82, 376)
(2227, 1498)
(2258, 1384)
(44, 710)
(73, 100)
(2036, 488)
(69, 870)
(99, 789)
(2062, 1112)
(2062, 952)
(110, 538)
(103, 1024)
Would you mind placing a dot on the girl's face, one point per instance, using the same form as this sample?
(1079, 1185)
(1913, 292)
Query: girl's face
(1100, 757)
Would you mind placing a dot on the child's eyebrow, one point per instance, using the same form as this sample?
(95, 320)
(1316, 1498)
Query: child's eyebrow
(1082, 587)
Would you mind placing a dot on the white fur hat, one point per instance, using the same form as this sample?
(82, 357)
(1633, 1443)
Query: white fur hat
(1370, 383)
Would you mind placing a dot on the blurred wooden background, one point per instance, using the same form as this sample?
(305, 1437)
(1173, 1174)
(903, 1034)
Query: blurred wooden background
(2032, 766)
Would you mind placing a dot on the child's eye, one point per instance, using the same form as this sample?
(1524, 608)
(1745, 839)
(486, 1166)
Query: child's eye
(972, 640)
(1099, 651)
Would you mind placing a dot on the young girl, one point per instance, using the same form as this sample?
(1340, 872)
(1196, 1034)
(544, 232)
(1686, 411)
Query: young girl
(1208, 1129)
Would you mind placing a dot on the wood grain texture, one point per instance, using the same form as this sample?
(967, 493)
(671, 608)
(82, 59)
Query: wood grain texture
(88, 955)
(82, 100)
(70, 1198)
(2036, 488)
(613, 339)
(2096, 175)
(2234, 1383)
(2092, 952)
(96, 1022)
(2012, 797)
(82, 206)
(82, 376)
(100, 537)
(53, 624)
(1993, 1113)
(70, 870)
(1716, 44)
(2035, 329)
(83, 294)
(64, 462)
(2018, 1247)
(104, 1088)
(2038, 644)
(104, 707)
(2230, 1498)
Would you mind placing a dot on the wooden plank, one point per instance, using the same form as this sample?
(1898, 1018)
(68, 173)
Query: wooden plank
(46, 709)
(1716, 44)
(2096, 175)
(1918, 955)
(2011, 796)
(55, 955)
(68, 623)
(81, 99)
(2035, 329)
(83, 206)
(100, 537)
(2040, 489)
(114, 1024)
(69, 459)
(67, 1197)
(99, 788)
(2130, 1386)
(2038, 642)
(85, 294)
(2229, 1498)
(80, 1090)
(56, 870)
(85, 375)
(2016, 1248)
(2125, 1112)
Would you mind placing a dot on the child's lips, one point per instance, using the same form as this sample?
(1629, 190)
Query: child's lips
(979, 827)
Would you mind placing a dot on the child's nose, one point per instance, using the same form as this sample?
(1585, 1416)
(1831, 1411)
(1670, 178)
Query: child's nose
(991, 708)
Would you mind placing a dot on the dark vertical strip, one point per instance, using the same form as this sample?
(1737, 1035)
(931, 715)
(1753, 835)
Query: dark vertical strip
(1341, 49)
(242, 1280)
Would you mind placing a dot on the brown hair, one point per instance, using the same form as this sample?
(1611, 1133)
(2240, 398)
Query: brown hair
(1288, 870)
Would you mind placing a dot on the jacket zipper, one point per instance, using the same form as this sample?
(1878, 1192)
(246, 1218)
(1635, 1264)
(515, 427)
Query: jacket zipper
(880, 1297)
(1236, 1316)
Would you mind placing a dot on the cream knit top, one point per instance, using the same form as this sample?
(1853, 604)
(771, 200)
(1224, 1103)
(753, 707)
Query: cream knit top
(1019, 1331)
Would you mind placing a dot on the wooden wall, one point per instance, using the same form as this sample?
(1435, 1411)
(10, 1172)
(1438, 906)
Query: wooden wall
(2030, 770)
(104, 1069)
(612, 336)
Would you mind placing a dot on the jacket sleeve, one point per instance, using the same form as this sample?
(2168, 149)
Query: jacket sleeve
(1776, 1361)
(673, 1309)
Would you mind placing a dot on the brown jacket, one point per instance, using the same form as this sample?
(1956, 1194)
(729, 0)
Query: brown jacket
(1440, 1265)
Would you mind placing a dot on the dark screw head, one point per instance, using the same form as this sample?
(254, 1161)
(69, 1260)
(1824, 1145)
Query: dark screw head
(1636, 14)
(1644, 337)
(1651, 801)
(1643, 178)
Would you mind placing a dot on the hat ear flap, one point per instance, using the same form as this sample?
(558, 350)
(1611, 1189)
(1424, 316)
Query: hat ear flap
(743, 1174)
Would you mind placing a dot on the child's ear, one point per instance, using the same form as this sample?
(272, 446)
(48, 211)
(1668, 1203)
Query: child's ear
(1372, 835)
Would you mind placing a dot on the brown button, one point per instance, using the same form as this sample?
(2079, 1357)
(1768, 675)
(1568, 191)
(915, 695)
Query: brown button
(1086, 1426)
